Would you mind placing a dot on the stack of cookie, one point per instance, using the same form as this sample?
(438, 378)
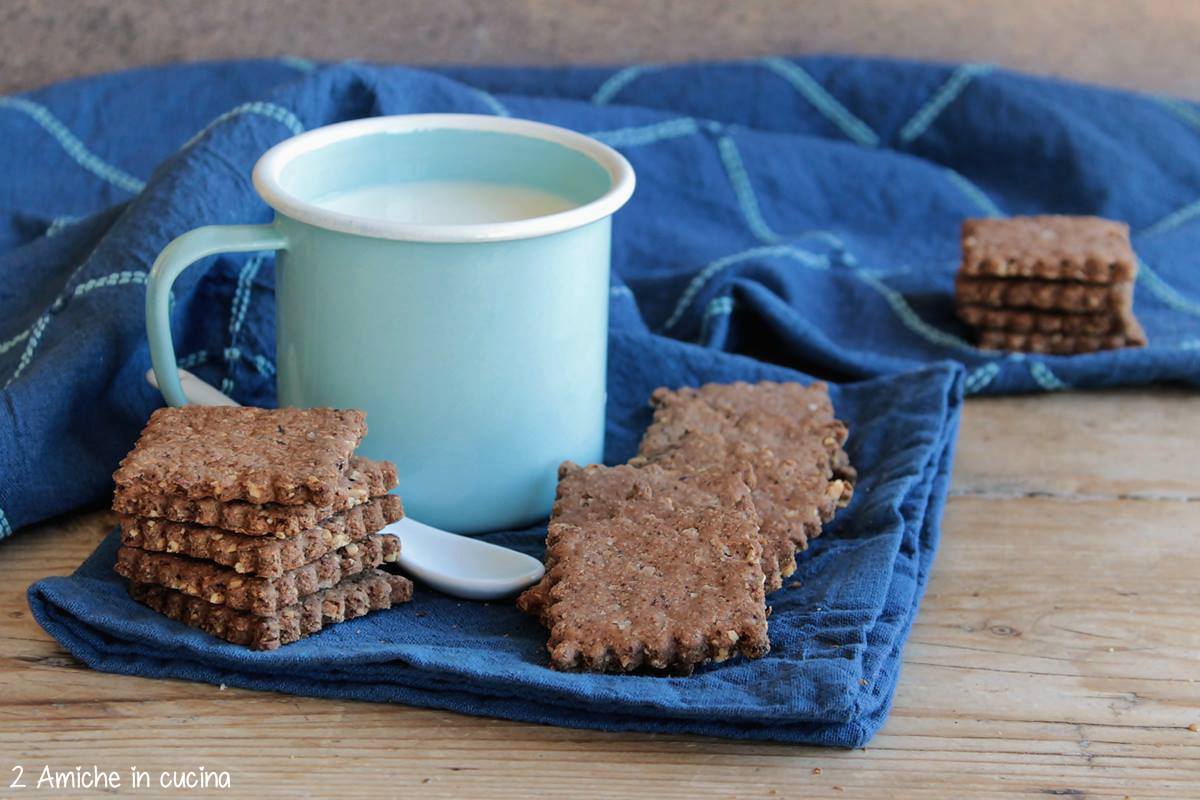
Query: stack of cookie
(259, 526)
(1049, 284)
(665, 563)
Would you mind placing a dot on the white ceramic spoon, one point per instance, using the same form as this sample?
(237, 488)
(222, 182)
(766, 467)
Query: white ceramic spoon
(454, 564)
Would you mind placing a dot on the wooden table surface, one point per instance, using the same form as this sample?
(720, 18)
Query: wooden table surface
(1057, 653)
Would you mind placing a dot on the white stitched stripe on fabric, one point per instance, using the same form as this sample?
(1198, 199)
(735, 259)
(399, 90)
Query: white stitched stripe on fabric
(268, 110)
(910, 318)
(1173, 220)
(980, 378)
(493, 103)
(1165, 292)
(855, 129)
(974, 193)
(1045, 377)
(648, 134)
(937, 103)
(39, 327)
(735, 169)
(714, 267)
(74, 147)
(619, 80)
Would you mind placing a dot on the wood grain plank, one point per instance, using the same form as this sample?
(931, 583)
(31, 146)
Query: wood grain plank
(1136, 443)
(1056, 654)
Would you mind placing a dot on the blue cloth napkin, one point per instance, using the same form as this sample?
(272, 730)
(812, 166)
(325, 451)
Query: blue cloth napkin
(836, 629)
(803, 213)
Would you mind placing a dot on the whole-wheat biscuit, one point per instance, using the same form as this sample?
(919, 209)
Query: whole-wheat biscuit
(260, 596)
(1060, 344)
(265, 556)
(358, 595)
(809, 406)
(361, 481)
(1059, 248)
(1020, 321)
(651, 568)
(286, 456)
(1043, 295)
(785, 431)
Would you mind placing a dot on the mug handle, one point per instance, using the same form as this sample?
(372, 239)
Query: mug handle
(174, 259)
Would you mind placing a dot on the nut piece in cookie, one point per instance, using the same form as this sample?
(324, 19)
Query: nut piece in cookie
(652, 568)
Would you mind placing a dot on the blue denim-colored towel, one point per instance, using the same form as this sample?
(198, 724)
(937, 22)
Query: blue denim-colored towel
(836, 630)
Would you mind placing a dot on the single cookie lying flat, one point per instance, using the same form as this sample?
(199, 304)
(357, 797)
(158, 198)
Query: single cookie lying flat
(288, 456)
(1044, 295)
(370, 591)
(647, 567)
(785, 431)
(260, 596)
(1021, 321)
(362, 480)
(265, 556)
(1059, 248)
(809, 406)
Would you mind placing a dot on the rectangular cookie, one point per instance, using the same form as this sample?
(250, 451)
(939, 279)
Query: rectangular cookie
(786, 431)
(1040, 295)
(651, 568)
(361, 481)
(265, 556)
(1021, 321)
(259, 596)
(1060, 344)
(354, 597)
(1055, 248)
(286, 456)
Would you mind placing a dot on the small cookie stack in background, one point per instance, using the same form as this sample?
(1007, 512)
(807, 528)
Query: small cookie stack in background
(258, 526)
(1049, 284)
(664, 563)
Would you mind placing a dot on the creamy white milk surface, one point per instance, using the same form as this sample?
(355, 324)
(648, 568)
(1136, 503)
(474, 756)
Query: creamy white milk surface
(446, 202)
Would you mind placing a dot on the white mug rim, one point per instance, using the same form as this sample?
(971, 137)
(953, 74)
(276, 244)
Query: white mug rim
(268, 171)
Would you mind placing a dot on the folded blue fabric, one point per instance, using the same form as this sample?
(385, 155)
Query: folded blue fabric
(804, 213)
(836, 629)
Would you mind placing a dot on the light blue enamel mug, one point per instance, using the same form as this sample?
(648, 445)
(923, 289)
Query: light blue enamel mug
(449, 275)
